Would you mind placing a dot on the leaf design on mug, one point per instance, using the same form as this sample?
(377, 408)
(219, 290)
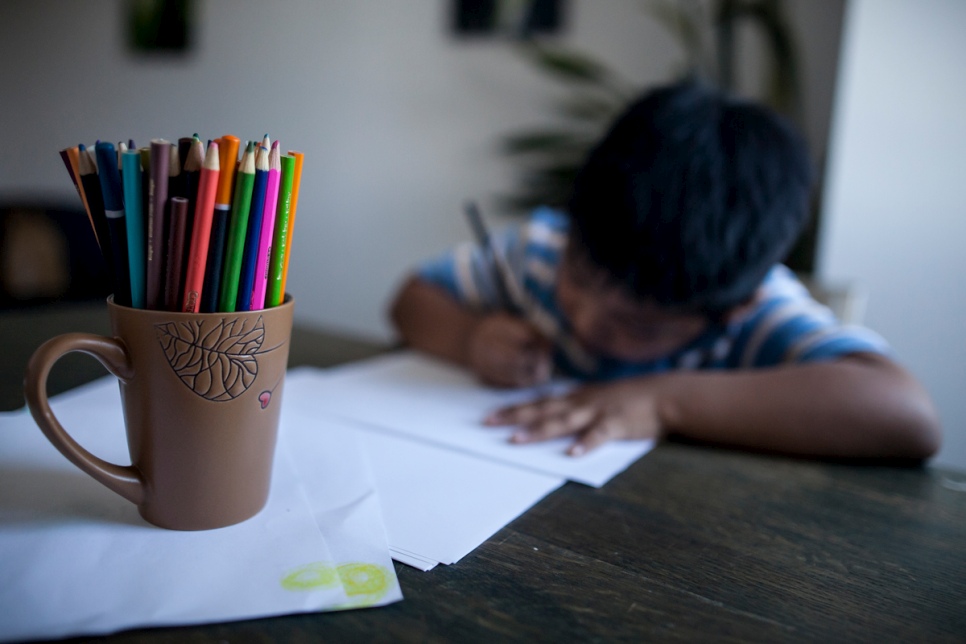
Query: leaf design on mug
(216, 360)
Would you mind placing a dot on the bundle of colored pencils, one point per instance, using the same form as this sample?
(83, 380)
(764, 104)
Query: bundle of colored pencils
(189, 227)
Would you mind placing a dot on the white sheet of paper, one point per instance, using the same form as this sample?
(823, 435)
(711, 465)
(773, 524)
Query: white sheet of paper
(75, 558)
(429, 400)
(438, 504)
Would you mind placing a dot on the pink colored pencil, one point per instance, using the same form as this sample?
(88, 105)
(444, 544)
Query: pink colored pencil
(268, 227)
(201, 230)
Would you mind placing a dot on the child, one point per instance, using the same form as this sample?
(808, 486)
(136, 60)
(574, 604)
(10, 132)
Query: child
(665, 270)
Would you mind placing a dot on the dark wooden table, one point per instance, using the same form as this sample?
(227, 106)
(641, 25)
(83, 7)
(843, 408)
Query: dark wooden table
(691, 543)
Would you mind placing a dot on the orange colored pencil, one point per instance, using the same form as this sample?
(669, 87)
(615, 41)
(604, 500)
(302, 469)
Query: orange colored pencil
(296, 180)
(201, 231)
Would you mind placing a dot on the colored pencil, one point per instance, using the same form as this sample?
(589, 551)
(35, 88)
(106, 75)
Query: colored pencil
(228, 160)
(121, 149)
(113, 196)
(73, 157)
(237, 227)
(192, 173)
(296, 182)
(134, 213)
(65, 157)
(177, 243)
(92, 190)
(268, 229)
(184, 144)
(157, 201)
(280, 237)
(176, 186)
(201, 230)
(243, 301)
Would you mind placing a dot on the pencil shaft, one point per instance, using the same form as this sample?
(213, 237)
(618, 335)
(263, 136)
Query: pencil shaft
(296, 184)
(113, 196)
(280, 237)
(246, 282)
(157, 202)
(74, 157)
(215, 261)
(92, 189)
(177, 242)
(201, 231)
(267, 231)
(134, 214)
(237, 229)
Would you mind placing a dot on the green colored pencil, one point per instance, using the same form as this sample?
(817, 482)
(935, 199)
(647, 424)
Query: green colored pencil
(280, 237)
(241, 205)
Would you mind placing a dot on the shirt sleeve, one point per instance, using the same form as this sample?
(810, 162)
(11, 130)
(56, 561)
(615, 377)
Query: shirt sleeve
(791, 327)
(469, 273)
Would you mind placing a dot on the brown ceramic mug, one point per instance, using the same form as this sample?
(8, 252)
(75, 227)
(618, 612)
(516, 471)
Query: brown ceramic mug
(201, 395)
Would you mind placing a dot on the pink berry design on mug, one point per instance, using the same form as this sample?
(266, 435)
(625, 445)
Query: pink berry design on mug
(216, 359)
(264, 398)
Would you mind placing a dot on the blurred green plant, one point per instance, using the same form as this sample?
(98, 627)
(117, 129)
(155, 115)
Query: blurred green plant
(549, 157)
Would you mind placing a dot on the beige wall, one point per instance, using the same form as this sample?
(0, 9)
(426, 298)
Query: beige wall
(895, 208)
(397, 119)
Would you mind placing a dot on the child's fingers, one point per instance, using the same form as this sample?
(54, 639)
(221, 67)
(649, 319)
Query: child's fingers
(528, 412)
(554, 425)
(602, 430)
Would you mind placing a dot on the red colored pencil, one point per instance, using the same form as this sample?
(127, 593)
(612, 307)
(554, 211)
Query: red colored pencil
(201, 230)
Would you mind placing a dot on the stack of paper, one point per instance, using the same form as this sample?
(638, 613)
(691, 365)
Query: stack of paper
(424, 399)
(76, 558)
(446, 482)
(438, 504)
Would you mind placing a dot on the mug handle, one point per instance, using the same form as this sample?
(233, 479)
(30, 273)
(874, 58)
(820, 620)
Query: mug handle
(126, 480)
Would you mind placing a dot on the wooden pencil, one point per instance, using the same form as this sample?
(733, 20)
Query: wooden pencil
(92, 190)
(201, 230)
(157, 202)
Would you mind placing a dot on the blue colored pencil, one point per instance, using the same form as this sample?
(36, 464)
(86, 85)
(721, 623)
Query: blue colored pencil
(253, 234)
(134, 214)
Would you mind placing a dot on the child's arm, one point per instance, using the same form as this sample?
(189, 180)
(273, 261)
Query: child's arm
(862, 405)
(501, 349)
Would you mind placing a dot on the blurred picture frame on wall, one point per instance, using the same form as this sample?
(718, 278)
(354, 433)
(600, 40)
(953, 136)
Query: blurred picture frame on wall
(160, 26)
(507, 19)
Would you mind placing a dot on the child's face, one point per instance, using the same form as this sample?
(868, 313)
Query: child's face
(609, 322)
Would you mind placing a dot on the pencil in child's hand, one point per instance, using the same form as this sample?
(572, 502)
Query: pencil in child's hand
(268, 229)
(516, 300)
(237, 228)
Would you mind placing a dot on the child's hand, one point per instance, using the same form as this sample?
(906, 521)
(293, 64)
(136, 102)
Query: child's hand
(505, 351)
(595, 414)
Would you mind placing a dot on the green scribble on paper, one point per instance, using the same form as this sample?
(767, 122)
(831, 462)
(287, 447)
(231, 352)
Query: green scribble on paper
(311, 576)
(364, 583)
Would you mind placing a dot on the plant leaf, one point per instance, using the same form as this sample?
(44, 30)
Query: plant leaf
(568, 65)
(215, 359)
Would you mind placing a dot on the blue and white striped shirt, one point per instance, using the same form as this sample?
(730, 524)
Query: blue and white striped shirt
(785, 326)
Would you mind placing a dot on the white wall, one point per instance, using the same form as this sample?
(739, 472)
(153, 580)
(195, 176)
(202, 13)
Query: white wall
(895, 208)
